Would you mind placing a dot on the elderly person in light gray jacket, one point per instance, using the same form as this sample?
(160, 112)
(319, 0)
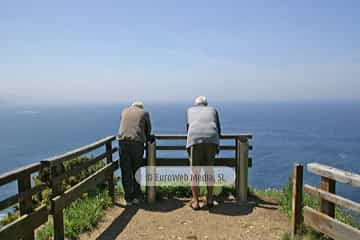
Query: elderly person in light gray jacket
(204, 131)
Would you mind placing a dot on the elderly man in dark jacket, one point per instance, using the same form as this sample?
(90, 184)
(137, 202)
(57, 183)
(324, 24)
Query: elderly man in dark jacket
(134, 131)
(202, 143)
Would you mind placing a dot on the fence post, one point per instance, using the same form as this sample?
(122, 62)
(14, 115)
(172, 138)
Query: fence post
(237, 169)
(297, 185)
(25, 204)
(58, 217)
(109, 159)
(327, 207)
(151, 172)
(243, 163)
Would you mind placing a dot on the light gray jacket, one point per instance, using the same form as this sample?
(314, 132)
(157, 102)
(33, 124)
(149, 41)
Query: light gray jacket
(203, 125)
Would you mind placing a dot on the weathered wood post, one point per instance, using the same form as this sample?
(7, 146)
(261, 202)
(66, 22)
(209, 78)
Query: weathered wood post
(297, 185)
(327, 207)
(58, 217)
(151, 172)
(109, 159)
(242, 164)
(25, 204)
(237, 169)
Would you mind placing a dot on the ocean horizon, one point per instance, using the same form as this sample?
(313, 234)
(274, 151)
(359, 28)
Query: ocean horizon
(283, 133)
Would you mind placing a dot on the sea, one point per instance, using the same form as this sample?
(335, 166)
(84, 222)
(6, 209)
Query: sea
(284, 133)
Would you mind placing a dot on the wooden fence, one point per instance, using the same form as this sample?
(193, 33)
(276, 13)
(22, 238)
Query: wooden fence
(324, 220)
(31, 217)
(240, 160)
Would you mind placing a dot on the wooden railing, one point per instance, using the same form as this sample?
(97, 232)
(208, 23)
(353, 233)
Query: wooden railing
(324, 220)
(240, 160)
(31, 217)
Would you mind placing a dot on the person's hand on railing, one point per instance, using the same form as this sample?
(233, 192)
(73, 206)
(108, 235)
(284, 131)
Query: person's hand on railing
(152, 138)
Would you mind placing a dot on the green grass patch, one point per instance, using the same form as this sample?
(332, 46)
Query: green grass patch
(81, 216)
(10, 217)
(269, 193)
(185, 191)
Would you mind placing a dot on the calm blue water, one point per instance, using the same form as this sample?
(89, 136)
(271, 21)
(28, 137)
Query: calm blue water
(284, 133)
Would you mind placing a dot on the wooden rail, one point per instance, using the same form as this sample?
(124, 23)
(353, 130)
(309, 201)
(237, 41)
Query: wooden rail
(241, 161)
(31, 217)
(61, 199)
(242, 136)
(324, 220)
(24, 199)
(335, 174)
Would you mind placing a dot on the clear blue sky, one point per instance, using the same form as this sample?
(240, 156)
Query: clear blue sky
(115, 51)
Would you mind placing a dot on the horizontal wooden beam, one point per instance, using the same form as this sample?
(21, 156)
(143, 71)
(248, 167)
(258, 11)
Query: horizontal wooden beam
(166, 148)
(230, 162)
(227, 147)
(183, 136)
(8, 202)
(15, 174)
(336, 174)
(77, 152)
(241, 136)
(329, 226)
(250, 162)
(332, 198)
(60, 202)
(38, 188)
(24, 224)
(185, 162)
(183, 147)
(77, 169)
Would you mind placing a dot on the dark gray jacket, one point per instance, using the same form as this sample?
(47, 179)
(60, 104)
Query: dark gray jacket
(203, 125)
(135, 125)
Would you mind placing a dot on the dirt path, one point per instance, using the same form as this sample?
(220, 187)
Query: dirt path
(174, 219)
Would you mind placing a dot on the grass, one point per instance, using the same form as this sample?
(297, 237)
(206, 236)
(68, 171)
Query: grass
(10, 217)
(269, 193)
(82, 215)
(185, 191)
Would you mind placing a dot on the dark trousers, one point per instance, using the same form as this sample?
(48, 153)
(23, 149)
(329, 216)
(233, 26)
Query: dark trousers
(131, 157)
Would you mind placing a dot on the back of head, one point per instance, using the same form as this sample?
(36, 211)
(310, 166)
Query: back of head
(201, 101)
(138, 104)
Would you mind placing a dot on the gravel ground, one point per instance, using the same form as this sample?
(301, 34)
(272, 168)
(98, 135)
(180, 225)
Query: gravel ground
(174, 219)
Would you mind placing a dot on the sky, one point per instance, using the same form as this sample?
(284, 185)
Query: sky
(70, 52)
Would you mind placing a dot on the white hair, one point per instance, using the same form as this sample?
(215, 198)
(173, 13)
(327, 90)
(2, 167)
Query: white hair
(138, 104)
(201, 100)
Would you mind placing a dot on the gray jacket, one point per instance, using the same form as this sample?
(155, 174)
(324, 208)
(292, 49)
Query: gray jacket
(203, 125)
(135, 125)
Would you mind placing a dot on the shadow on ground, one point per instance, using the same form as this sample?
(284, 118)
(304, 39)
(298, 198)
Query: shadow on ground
(233, 208)
(227, 206)
(119, 224)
